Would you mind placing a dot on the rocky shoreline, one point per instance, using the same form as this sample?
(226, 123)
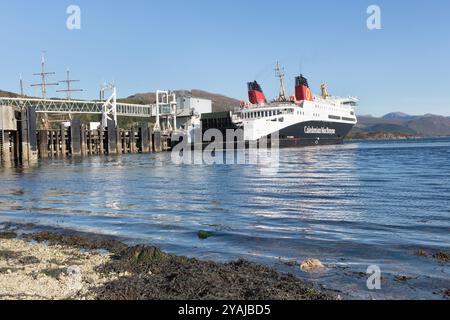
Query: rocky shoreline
(57, 266)
(381, 136)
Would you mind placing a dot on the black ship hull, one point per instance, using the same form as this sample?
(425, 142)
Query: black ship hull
(314, 133)
(301, 134)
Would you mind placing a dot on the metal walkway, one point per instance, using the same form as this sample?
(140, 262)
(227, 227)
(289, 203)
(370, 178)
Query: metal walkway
(84, 107)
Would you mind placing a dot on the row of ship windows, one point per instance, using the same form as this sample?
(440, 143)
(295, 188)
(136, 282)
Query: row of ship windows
(271, 113)
(327, 108)
(317, 115)
(268, 113)
(341, 118)
(332, 109)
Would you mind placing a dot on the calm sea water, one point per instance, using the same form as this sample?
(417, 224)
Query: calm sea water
(351, 206)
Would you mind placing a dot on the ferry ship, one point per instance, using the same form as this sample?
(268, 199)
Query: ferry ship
(302, 119)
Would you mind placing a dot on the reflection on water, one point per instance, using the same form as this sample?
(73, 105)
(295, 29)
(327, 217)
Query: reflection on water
(351, 206)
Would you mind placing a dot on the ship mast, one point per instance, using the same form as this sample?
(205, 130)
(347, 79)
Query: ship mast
(324, 91)
(68, 83)
(279, 72)
(44, 84)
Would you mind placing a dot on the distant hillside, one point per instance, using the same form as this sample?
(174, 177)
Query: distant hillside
(8, 94)
(398, 116)
(219, 102)
(379, 136)
(426, 125)
(431, 125)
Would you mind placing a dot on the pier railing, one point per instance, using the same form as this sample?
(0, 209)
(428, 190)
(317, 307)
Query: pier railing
(84, 107)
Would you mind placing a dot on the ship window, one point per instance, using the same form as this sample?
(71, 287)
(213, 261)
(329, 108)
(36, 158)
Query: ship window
(281, 119)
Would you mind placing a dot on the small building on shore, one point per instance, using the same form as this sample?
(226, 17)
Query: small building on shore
(190, 106)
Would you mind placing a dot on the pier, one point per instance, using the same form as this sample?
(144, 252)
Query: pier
(23, 139)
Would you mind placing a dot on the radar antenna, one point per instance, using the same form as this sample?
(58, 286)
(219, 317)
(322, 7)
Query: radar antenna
(279, 72)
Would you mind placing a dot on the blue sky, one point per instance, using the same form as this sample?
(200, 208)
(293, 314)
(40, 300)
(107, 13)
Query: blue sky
(218, 46)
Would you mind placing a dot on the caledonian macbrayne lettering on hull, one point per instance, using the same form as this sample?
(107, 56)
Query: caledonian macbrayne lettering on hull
(321, 130)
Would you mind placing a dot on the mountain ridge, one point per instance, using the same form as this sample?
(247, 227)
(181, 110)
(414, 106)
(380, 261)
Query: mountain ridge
(220, 102)
(399, 122)
(8, 94)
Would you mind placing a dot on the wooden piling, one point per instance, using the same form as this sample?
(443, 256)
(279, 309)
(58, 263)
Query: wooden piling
(43, 144)
(89, 139)
(7, 155)
(51, 143)
(133, 148)
(83, 140)
(143, 138)
(22, 127)
(119, 140)
(32, 135)
(157, 147)
(150, 139)
(75, 137)
(112, 137)
(62, 131)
